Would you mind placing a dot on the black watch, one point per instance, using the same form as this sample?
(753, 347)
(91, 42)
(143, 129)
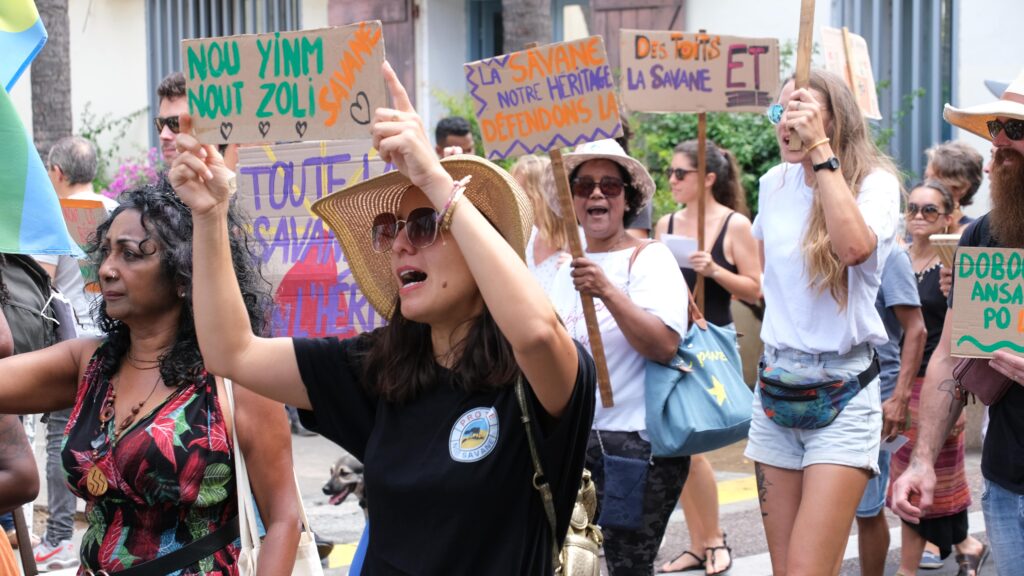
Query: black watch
(832, 164)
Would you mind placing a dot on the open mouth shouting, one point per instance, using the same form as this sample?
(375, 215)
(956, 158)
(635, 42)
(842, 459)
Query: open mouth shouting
(410, 278)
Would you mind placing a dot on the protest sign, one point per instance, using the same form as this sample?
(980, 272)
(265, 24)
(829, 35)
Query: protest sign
(544, 97)
(988, 302)
(285, 86)
(668, 71)
(314, 291)
(82, 217)
(846, 54)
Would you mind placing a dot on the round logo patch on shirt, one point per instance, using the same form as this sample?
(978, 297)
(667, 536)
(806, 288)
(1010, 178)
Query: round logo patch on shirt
(474, 435)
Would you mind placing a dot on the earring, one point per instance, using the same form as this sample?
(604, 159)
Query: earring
(181, 294)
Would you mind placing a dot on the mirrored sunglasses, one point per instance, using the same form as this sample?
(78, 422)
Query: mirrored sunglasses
(774, 113)
(1014, 128)
(420, 228)
(610, 186)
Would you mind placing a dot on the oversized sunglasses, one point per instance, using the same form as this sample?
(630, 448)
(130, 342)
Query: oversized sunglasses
(610, 186)
(930, 212)
(420, 227)
(1014, 128)
(679, 173)
(169, 121)
(774, 113)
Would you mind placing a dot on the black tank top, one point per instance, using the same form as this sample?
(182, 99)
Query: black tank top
(717, 300)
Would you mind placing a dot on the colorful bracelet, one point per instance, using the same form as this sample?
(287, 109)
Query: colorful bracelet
(819, 143)
(444, 217)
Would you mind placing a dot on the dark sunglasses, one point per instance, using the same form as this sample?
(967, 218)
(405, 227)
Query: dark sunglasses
(1014, 128)
(774, 113)
(169, 121)
(610, 186)
(679, 173)
(930, 212)
(420, 227)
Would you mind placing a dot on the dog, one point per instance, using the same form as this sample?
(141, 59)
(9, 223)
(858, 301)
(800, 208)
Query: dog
(346, 479)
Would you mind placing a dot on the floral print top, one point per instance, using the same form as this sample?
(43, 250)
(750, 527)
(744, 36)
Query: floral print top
(169, 479)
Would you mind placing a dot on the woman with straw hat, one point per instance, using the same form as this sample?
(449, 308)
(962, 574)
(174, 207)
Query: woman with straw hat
(428, 402)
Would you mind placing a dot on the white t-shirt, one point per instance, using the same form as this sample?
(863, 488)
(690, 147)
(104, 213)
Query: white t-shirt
(544, 271)
(797, 315)
(655, 285)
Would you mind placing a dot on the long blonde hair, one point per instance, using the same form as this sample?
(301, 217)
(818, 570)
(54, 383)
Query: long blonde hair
(858, 156)
(534, 174)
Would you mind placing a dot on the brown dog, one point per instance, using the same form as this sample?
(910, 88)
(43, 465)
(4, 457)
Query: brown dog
(346, 478)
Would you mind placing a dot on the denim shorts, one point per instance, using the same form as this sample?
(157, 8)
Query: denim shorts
(873, 500)
(852, 439)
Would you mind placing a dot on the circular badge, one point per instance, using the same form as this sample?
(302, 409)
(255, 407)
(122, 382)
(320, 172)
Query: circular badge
(474, 435)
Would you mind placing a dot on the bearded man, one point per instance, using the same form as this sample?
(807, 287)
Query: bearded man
(1002, 462)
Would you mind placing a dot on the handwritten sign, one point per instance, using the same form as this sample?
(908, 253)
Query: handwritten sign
(544, 98)
(988, 302)
(314, 291)
(285, 86)
(846, 54)
(82, 218)
(666, 71)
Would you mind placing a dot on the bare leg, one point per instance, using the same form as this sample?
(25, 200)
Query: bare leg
(778, 491)
(700, 508)
(912, 547)
(873, 544)
(827, 506)
(970, 545)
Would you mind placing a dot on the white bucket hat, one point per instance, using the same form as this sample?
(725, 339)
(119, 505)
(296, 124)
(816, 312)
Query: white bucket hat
(974, 119)
(611, 150)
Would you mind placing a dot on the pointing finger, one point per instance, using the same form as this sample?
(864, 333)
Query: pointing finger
(399, 97)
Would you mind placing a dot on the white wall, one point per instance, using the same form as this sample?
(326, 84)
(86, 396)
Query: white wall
(441, 49)
(754, 18)
(314, 14)
(985, 50)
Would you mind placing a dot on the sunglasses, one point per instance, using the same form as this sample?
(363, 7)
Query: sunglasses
(1014, 129)
(169, 121)
(420, 228)
(611, 187)
(774, 113)
(679, 173)
(930, 212)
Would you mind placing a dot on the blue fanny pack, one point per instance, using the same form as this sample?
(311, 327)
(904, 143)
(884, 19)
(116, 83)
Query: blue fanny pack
(792, 402)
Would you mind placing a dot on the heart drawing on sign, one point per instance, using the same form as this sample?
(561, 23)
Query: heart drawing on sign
(300, 128)
(360, 109)
(264, 127)
(225, 129)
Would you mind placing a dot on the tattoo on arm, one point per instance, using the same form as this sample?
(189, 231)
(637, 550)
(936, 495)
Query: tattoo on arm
(762, 487)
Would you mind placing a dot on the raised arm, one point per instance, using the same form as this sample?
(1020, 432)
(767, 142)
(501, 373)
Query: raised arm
(229, 347)
(543, 349)
(44, 380)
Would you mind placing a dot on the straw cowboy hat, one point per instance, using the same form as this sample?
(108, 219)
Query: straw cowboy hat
(973, 119)
(350, 212)
(611, 150)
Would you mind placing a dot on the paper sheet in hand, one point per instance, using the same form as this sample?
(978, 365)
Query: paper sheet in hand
(681, 247)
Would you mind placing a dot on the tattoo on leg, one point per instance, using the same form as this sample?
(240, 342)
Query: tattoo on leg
(762, 487)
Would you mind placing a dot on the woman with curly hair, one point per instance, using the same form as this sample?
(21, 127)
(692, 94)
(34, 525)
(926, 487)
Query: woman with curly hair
(147, 445)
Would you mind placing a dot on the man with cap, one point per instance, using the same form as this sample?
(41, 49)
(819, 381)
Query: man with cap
(1002, 464)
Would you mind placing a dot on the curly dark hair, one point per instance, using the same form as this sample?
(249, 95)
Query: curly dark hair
(168, 223)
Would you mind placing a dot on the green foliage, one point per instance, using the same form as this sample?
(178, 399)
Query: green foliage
(883, 136)
(750, 137)
(107, 129)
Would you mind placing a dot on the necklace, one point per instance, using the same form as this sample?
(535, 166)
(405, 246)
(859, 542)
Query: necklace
(920, 274)
(615, 245)
(140, 364)
(107, 413)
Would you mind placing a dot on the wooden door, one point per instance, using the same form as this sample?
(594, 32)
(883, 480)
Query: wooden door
(398, 19)
(607, 17)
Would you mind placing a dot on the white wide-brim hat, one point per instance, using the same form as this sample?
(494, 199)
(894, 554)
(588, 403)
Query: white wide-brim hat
(611, 150)
(975, 118)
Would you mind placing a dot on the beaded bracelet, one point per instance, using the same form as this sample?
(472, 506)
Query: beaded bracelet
(818, 143)
(444, 217)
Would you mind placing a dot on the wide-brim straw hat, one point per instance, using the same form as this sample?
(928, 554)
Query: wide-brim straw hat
(974, 119)
(611, 150)
(350, 212)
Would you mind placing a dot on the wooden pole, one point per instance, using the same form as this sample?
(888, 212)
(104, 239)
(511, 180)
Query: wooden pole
(805, 44)
(576, 249)
(702, 171)
(28, 560)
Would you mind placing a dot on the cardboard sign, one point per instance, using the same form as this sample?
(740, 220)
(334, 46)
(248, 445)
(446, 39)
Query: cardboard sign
(285, 86)
(846, 54)
(82, 218)
(543, 98)
(667, 71)
(314, 291)
(988, 302)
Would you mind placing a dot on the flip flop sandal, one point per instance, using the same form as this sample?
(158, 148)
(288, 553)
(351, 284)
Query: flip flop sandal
(969, 562)
(709, 554)
(698, 566)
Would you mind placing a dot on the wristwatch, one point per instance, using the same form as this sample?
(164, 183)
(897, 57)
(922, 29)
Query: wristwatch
(831, 164)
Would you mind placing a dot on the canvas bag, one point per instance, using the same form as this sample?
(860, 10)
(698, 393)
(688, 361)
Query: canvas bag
(698, 402)
(307, 560)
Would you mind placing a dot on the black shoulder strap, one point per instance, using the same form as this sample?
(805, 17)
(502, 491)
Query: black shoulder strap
(540, 482)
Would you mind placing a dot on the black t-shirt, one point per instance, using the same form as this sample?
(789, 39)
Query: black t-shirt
(449, 475)
(933, 309)
(1002, 457)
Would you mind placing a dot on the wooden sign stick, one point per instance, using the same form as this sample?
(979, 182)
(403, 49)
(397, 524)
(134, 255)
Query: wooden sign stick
(604, 383)
(702, 171)
(805, 44)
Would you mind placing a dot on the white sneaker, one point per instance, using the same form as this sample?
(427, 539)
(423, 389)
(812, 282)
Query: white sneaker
(63, 555)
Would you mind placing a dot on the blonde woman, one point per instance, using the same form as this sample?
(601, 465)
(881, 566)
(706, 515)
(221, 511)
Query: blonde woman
(827, 221)
(546, 250)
